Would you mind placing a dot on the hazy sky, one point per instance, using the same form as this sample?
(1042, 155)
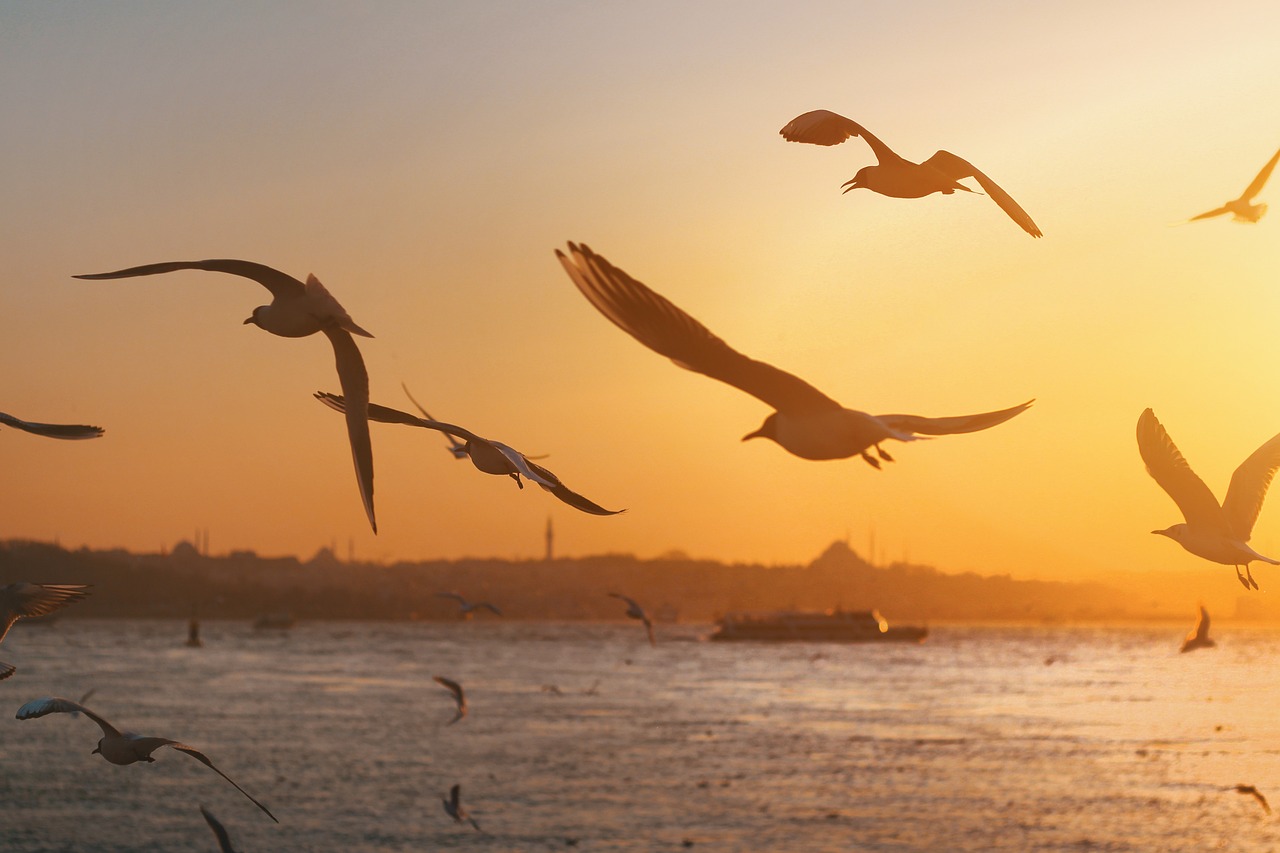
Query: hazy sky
(425, 159)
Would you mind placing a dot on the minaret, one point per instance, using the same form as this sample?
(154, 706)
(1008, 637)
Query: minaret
(551, 539)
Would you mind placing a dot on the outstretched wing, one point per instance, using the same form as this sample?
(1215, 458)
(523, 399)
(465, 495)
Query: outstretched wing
(1260, 181)
(388, 415)
(219, 831)
(280, 284)
(956, 168)
(204, 759)
(1249, 488)
(823, 127)
(1167, 467)
(355, 389)
(1211, 213)
(64, 431)
(56, 705)
(35, 599)
(631, 602)
(550, 482)
(953, 425)
(455, 447)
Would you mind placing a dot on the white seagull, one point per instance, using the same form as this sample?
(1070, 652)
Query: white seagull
(297, 310)
(459, 697)
(65, 431)
(219, 831)
(489, 456)
(453, 807)
(806, 422)
(1215, 532)
(124, 747)
(33, 599)
(466, 607)
(1242, 209)
(1199, 636)
(635, 611)
(894, 176)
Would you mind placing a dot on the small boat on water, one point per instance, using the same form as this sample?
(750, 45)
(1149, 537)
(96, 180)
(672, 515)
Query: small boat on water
(832, 626)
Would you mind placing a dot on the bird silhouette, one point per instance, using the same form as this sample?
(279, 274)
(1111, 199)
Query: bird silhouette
(453, 807)
(219, 831)
(467, 608)
(635, 611)
(1199, 636)
(18, 600)
(63, 431)
(1242, 209)
(1253, 792)
(459, 698)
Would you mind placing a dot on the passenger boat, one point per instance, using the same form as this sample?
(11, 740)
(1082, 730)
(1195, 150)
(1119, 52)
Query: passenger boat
(833, 626)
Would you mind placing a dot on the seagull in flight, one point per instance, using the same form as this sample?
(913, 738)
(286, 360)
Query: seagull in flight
(1199, 636)
(64, 431)
(33, 599)
(297, 310)
(1215, 532)
(807, 423)
(635, 611)
(1253, 792)
(894, 176)
(458, 696)
(453, 806)
(1242, 209)
(124, 747)
(466, 607)
(219, 831)
(491, 457)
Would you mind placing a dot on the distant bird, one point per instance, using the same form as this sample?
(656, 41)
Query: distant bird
(193, 633)
(491, 457)
(466, 607)
(1199, 636)
(33, 599)
(219, 831)
(453, 807)
(894, 176)
(459, 697)
(1217, 533)
(124, 747)
(65, 431)
(1241, 208)
(553, 689)
(635, 611)
(296, 311)
(1253, 792)
(807, 423)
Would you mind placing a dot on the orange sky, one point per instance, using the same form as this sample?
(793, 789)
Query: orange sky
(424, 161)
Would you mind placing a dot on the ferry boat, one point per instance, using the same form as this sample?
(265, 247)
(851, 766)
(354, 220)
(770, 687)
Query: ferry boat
(833, 626)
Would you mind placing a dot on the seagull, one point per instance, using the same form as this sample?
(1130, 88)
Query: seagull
(1253, 792)
(467, 607)
(807, 423)
(894, 176)
(1199, 637)
(453, 806)
(635, 611)
(219, 831)
(1241, 209)
(298, 310)
(458, 696)
(33, 599)
(124, 747)
(65, 431)
(491, 457)
(1217, 533)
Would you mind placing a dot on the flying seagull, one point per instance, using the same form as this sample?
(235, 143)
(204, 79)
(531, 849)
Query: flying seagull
(453, 806)
(1215, 532)
(33, 599)
(807, 423)
(219, 831)
(124, 747)
(894, 176)
(635, 611)
(458, 696)
(1253, 792)
(1241, 209)
(466, 607)
(1199, 636)
(65, 431)
(298, 310)
(491, 457)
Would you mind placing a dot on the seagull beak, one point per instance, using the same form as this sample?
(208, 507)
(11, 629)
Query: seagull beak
(851, 185)
(247, 322)
(757, 434)
(96, 751)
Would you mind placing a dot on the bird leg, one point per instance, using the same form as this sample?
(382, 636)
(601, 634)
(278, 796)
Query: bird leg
(1240, 578)
(883, 454)
(1249, 574)
(516, 476)
(867, 457)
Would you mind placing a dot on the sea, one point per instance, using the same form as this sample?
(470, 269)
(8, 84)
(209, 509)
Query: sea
(585, 738)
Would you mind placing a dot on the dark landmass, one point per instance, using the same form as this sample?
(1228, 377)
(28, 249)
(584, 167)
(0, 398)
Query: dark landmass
(243, 585)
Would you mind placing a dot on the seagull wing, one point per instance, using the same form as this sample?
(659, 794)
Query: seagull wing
(550, 482)
(455, 798)
(1202, 626)
(631, 602)
(219, 831)
(456, 447)
(956, 168)
(454, 596)
(662, 327)
(35, 599)
(204, 759)
(280, 284)
(1260, 181)
(388, 415)
(823, 127)
(54, 705)
(648, 627)
(355, 389)
(1211, 213)
(490, 607)
(65, 431)
(952, 425)
(1167, 467)
(1249, 487)
(459, 697)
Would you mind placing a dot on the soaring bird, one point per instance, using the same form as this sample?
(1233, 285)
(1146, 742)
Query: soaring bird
(806, 422)
(124, 747)
(491, 457)
(459, 698)
(66, 431)
(635, 611)
(453, 807)
(299, 309)
(219, 831)
(1242, 209)
(1215, 532)
(1252, 792)
(1199, 636)
(467, 608)
(33, 599)
(894, 176)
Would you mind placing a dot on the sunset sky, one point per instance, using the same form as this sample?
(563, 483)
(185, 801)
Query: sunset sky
(424, 160)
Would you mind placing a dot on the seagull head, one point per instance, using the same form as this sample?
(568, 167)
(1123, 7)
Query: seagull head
(1175, 533)
(859, 181)
(97, 750)
(253, 318)
(768, 429)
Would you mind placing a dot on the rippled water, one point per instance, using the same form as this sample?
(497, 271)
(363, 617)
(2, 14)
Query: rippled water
(967, 742)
